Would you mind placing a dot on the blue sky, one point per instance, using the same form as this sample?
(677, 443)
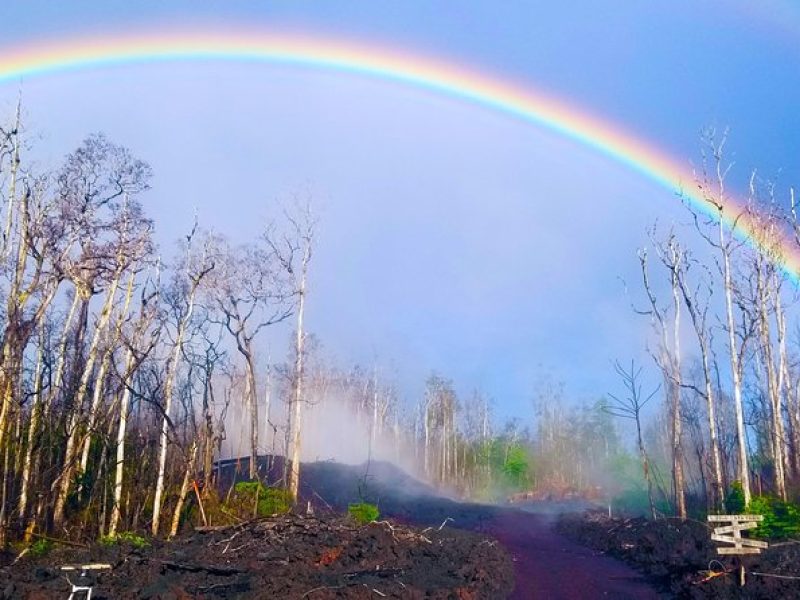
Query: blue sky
(453, 238)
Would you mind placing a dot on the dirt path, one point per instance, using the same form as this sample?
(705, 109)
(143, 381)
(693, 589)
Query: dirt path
(548, 565)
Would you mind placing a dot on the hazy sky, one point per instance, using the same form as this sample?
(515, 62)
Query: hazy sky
(453, 238)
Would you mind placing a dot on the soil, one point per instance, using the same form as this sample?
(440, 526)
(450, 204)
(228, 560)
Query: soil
(282, 557)
(546, 564)
(549, 565)
(429, 547)
(682, 561)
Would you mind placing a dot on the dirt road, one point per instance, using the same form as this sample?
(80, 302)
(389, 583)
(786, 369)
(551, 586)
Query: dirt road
(549, 566)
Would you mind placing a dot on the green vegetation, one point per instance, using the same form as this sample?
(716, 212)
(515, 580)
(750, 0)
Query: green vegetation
(125, 537)
(40, 548)
(781, 519)
(734, 500)
(627, 487)
(363, 512)
(516, 467)
(509, 468)
(253, 499)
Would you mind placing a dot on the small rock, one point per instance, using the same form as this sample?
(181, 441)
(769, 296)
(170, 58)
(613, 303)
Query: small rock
(156, 589)
(8, 593)
(179, 555)
(42, 574)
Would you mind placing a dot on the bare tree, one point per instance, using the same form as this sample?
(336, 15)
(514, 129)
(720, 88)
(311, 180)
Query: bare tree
(697, 302)
(668, 360)
(765, 301)
(132, 244)
(631, 407)
(249, 294)
(293, 250)
(195, 269)
(712, 186)
(140, 343)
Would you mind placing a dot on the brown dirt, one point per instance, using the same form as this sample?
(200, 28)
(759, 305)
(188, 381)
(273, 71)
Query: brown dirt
(283, 557)
(328, 557)
(547, 565)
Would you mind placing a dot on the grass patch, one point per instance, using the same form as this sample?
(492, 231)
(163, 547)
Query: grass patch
(253, 499)
(363, 512)
(125, 537)
(40, 548)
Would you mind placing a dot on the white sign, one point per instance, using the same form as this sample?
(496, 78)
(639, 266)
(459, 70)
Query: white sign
(732, 534)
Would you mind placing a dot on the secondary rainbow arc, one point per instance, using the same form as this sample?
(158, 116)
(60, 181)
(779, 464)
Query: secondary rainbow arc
(448, 78)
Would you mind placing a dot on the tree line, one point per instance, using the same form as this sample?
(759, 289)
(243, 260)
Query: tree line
(124, 377)
(722, 303)
(110, 357)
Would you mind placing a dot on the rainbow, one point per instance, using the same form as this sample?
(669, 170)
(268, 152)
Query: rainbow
(447, 78)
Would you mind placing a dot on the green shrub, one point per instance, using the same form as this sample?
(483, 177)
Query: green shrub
(734, 500)
(215, 510)
(40, 548)
(781, 519)
(516, 467)
(363, 512)
(274, 501)
(253, 496)
(128, 537)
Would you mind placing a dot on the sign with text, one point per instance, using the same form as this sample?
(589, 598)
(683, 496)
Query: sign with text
(732, 534)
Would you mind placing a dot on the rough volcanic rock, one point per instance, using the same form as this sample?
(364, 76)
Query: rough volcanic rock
(283, 557)
(681, 558)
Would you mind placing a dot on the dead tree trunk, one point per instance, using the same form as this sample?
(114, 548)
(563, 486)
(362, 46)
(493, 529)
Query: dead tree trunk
(698, 316)
(297, 399)
(73, 433)
(194, 274)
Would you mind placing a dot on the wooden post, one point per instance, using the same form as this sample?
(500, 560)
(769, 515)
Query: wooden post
(200, 503)
(732, 534)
